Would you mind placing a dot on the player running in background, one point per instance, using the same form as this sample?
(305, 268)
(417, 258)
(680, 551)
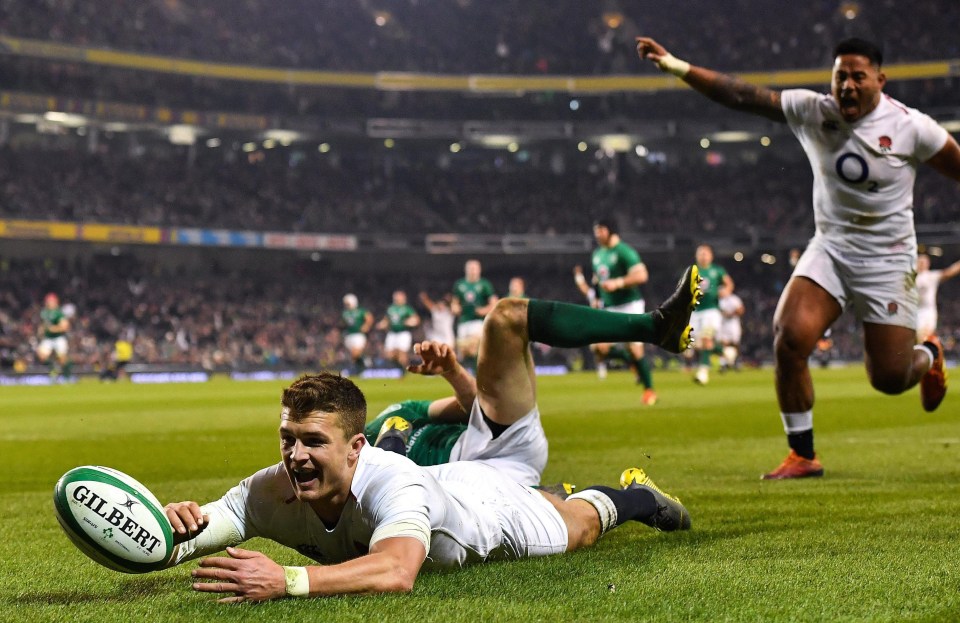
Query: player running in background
(618, 274)
(928, 282)
(731, 330)
(398, 321)
(708, 318)
(864, 148)
(374, 519)
(52, 331)
(356, 322)
(473, 299)
(441, 319)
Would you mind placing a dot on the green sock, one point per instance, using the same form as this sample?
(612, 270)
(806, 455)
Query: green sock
(705, 358)
(644, 374)
(565, 325)
(67, 369)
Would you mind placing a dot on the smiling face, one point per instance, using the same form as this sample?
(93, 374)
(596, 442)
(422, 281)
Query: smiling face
(857, 85)
(319, 458)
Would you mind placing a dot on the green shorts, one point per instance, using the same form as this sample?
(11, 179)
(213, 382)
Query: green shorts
(430, 442)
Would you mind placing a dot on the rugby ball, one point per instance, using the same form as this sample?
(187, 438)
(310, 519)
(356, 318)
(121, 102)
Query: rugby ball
(113, 519)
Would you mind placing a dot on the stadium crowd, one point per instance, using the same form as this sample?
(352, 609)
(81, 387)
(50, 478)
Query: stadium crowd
(222, 319)
(469, 36)
(378, 191)
(463, 37)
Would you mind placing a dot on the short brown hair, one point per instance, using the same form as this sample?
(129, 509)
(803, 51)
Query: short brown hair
(329, 393)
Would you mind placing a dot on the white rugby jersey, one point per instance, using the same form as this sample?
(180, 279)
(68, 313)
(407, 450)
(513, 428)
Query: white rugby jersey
(453, 509)
(928, 282)
(729, 306)
(863, 172)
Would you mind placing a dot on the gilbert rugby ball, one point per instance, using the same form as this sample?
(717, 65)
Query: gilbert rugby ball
(113, 519)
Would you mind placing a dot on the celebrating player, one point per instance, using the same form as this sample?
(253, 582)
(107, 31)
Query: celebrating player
(928, 282)
(864, 148)
(441, 319)
(618, 274)
(398, 321)
(374, 518)
(53, 333)
(708, 318)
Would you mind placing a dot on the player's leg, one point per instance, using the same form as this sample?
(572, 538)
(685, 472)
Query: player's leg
(600, 352)
(567, 326)
(895, 364)
(804, 312)
(644, 372)
(590, 513)
(506, 387)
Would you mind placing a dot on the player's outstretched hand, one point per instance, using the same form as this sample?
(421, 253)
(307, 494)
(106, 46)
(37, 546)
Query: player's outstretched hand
(437, 358)
(650, 50)
(250, 576)
(186, 519)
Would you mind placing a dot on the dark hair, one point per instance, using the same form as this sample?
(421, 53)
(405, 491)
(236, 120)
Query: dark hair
(329, 393)
(861, 47)
(606, 222)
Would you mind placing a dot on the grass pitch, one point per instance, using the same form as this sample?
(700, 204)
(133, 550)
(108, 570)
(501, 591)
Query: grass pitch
(876, 539)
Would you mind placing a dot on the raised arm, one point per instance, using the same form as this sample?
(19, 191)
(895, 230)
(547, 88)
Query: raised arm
(440, 359)
(950, 271)
(725, 89)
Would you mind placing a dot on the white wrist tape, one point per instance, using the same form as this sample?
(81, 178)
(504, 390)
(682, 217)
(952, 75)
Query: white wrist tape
(580, 279)
(673, 65)
(298, 581)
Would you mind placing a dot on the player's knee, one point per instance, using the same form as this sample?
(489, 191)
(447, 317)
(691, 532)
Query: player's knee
(789, 343)
(508, 316)
(888, 381)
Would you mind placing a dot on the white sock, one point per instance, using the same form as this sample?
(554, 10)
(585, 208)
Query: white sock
(604, 505)
(797, 422)
(926, 351)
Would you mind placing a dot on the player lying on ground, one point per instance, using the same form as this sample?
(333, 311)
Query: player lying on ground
(374, 518)
(433, 432)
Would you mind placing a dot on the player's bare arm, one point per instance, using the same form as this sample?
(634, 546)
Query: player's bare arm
(580, 280)
(637, 275)
(391, 567)
(722, 88)
(950, 271)
(486, 309)
(726, 289)
(947, 160)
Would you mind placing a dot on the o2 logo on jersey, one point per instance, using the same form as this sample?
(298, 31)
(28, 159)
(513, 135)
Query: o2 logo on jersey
(853, 169)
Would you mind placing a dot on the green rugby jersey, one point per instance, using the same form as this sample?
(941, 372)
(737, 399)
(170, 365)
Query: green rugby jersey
(712, 280)
(51, 318)
(472, 294)
(353, 319)
(613, 263)
(430, 442)
(397, 315)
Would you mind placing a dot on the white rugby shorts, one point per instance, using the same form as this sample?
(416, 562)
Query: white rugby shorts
(520, 452)
(398, 340)
(469, 330)
(881, 289)
(706, 323)
(52, 345)
(355, 341)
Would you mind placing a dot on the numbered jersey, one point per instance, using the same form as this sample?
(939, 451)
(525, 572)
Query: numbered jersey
(353, 320)
(863, 172)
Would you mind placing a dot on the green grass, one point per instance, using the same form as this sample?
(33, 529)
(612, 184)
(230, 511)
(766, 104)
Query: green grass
(875, 540)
